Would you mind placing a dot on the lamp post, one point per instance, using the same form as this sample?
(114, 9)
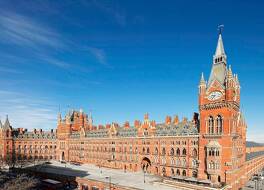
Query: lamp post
(109, 177)
(144, 176)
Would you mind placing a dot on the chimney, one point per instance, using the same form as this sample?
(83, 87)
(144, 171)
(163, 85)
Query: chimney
(176, 120)
(100, 126)
(146, 116)
(168, 120)
(137, 123)
(153, 123)
(184, 120)
(126, 125)
(108, 126)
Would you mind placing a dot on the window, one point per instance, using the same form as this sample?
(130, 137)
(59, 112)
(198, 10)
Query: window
(178, 162)
(184, 162)
(211, 124)
(178, 172)
(194, 152)
(184, 173)
(172, 172)
(172, 152)
(163, 151)
(172, 161)
(194, 174)
(194, 163)
(85, 187)
(184, 152)
(156, 150)
(178, 152)
(219, 124)
(148, 150)
(164, 171)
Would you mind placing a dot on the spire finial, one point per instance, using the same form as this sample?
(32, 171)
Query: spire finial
(220, 51)
(220, 28)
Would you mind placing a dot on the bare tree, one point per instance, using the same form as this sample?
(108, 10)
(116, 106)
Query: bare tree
(21, 182)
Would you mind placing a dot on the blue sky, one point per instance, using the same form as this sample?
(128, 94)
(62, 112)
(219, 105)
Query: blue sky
(122, 59)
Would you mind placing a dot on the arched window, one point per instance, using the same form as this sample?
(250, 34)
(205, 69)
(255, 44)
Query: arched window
(172, 152)
(184, 173)
(194, 174)
(194, 163)
(164, 171)
(148, 150)
(143, 150)
(172, 172)
(178, 162)
(163, 161)
(219, 124)
(172, 161)
(211, 124)
(163, 151)
(178, 172)
(178, 152)
(156, 150)
(184, 162)
(184, 152)
(194, 152)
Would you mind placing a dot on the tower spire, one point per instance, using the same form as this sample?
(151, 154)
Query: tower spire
(220, 47)
(218, 71)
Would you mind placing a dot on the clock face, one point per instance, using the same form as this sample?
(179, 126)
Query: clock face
(214, 95)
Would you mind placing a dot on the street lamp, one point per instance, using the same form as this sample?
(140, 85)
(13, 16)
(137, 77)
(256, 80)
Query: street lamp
(109, 177)
(144, 176)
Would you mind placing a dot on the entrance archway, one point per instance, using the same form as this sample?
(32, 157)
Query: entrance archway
(62, 156)
(145, 164)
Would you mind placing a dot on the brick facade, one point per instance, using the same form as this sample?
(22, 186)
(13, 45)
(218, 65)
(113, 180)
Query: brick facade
(212, 146)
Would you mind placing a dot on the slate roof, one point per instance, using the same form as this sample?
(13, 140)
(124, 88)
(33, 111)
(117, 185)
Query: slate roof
(32, 135)
(181, 129)
(252, 155)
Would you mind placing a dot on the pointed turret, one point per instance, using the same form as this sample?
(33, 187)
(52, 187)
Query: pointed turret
(229, 72)
(59, 118)
(90, 121)
(202, 81)
(202, 85)
(7, 123)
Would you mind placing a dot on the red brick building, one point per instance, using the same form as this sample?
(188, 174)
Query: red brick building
(211, 148)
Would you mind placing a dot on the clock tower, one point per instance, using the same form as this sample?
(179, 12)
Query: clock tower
(222, 126)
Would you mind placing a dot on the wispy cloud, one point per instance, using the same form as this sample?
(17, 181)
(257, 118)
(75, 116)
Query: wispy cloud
(9, 70)
(24, 31)
(113, 11)
(55, 61)
(99, 54)
(27, 112)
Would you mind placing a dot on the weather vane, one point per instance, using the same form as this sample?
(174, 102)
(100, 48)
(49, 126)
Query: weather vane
(220, 28)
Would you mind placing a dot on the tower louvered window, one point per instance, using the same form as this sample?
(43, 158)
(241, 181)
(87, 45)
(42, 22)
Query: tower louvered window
(219, 123)
(211, 124)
